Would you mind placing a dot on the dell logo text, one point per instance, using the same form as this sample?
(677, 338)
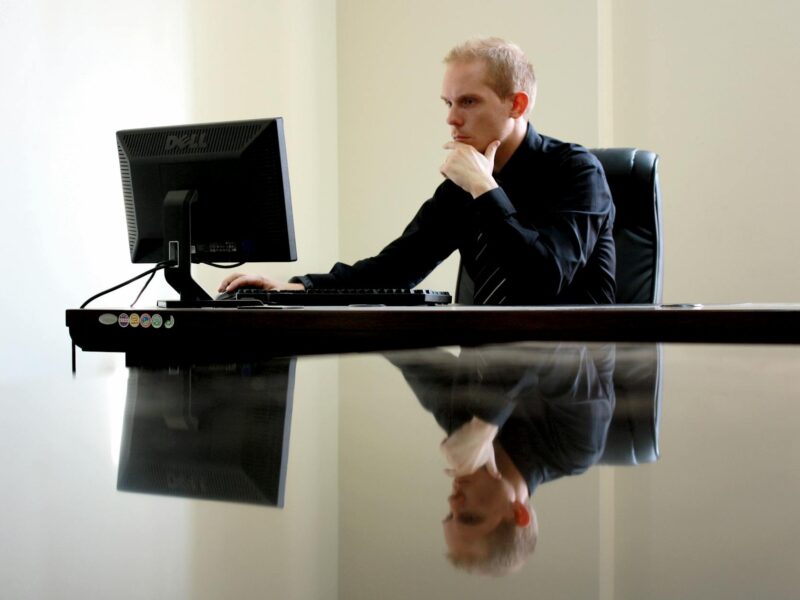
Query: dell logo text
(186, 142)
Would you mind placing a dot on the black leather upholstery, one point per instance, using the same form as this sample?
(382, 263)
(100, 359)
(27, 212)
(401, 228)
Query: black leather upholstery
(634, 429)
(633, 179)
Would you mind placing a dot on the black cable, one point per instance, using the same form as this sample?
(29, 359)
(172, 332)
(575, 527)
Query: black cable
(158, 267)
(144, 287)
(150, 272)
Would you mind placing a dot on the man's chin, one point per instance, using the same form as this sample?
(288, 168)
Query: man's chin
(479, 146)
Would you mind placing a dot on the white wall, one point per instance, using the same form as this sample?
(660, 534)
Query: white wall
(75, 73)
(72, 74)
(712, 87)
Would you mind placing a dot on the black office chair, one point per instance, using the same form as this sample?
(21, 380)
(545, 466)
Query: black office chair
(633, 179)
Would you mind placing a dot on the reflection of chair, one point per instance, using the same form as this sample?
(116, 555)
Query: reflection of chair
(633, 432)
(633, 179)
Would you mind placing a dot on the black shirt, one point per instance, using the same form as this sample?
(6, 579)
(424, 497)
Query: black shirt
(552, 404)
(547, 227)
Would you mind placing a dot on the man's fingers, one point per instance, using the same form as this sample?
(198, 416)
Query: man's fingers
(241, 281)
(491, 150)
(235, 283)
(237, 280)
(227, 281)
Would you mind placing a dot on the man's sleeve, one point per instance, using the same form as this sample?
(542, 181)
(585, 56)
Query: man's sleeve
(543, 253)
(427, 240)
(563, 417)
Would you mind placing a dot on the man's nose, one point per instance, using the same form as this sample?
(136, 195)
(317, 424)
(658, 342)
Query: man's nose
(454, 118)
(456, 501)
(460, 481)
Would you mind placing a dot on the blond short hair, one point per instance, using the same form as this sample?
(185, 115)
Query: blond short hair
(509, 70)
(508, 547)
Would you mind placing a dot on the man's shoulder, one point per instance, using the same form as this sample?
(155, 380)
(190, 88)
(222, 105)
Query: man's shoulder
(567, 154)
(569, 165)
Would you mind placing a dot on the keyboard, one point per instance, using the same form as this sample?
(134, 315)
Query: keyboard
(341, 297)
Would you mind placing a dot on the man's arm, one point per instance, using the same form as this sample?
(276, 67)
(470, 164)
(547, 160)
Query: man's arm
(572, 204)
(543, 253)
(427, 240)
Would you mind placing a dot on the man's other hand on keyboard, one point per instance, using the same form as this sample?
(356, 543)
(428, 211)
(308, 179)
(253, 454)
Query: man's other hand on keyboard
(239, 280)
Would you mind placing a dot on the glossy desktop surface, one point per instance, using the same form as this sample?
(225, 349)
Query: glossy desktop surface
(658, 471)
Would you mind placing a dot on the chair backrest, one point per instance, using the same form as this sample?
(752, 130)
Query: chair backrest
(633, 179)
(633, 434)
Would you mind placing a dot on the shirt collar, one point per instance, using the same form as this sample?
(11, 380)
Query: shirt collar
(532, 142)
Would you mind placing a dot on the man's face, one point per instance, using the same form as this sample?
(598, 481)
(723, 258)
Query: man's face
(478, 504)
(475, 113)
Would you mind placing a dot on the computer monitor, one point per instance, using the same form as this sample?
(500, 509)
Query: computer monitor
(209, 431)
(206, 193)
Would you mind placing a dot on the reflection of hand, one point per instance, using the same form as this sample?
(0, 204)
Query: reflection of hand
(470, 447)
(469, 169)
(238, 280)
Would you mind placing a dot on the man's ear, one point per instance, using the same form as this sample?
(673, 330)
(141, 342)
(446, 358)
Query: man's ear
(519, 104)
(522, 514)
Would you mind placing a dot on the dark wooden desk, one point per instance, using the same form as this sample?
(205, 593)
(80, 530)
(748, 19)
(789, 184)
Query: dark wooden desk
(283, 331)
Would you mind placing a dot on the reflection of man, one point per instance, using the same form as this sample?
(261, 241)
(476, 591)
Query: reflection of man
(516, 417)
(531, 216)
(491, 525)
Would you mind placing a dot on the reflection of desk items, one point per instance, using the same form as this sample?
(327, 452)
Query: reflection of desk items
(552, 403)
(633, 433)
(216, 432)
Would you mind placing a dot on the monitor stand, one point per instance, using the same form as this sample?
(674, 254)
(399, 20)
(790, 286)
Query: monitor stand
(178, 240)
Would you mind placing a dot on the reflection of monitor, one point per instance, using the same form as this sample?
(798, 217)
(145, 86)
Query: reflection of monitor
(209, 193)
(215, 432)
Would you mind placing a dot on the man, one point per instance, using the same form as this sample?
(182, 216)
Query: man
(516, 417)
(491, 526)
(531, 216)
